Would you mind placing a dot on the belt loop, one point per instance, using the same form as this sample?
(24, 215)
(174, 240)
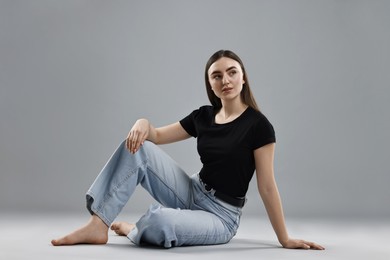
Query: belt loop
(206, 188)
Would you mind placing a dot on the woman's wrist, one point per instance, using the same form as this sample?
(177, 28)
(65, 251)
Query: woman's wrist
(284, 240)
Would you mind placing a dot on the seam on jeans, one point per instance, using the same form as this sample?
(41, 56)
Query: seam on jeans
(170, 188)
(115, 189)
(226, 237)
(231, 225)
(97, 210)
(130, 173)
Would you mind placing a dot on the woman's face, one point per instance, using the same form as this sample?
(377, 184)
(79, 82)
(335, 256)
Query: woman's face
(226, 78)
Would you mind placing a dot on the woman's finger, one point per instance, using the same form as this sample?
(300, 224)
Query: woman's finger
(131, 140)
(313, 245)
(141, 140)
(130, 144)
(134, 142)
(310, 245)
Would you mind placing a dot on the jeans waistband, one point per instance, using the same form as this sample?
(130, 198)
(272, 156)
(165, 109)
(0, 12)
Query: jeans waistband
(234, 201)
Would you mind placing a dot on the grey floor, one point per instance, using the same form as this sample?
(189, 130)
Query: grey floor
(27, 236)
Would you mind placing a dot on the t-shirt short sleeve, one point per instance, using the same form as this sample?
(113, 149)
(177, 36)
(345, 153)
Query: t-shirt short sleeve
(188, 123)
(263, 133)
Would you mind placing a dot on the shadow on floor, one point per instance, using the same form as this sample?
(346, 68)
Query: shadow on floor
(236, 244)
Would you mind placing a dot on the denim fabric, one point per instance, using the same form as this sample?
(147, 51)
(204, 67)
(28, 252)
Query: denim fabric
(187, 214)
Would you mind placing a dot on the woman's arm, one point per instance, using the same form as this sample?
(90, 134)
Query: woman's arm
(264, 158)
(142, 130)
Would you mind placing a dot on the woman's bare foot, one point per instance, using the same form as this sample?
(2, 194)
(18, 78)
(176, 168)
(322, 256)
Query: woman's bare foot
(94, 232)
(122, 228)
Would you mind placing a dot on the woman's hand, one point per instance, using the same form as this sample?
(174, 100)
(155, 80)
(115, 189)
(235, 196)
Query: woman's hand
(301, 244)
(137, 135)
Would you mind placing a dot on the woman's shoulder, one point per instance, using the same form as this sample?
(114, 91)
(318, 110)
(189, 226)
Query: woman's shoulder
(259, 120)
(257, 115)
(203, 110)
(206, 108)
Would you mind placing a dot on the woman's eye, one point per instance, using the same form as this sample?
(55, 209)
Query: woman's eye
(217, 77)
(233, 72)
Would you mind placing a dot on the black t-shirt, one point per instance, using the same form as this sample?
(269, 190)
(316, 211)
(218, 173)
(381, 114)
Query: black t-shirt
(226, 150)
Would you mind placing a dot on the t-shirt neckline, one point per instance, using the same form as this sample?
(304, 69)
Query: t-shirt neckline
(231, 122)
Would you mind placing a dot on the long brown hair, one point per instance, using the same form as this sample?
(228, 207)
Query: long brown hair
(246, 93)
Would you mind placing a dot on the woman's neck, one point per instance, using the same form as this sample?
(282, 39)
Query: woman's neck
(230, 111)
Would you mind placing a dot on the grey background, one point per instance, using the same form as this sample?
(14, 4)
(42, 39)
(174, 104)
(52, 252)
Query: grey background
(75, 75)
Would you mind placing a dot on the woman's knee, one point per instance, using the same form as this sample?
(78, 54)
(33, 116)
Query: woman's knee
(157, 227)
(162, 217)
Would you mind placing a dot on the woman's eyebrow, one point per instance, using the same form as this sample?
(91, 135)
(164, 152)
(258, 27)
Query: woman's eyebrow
(217, 71)
(232, 67)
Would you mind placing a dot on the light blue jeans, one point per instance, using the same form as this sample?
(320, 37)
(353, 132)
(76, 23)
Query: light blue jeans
(187, 214)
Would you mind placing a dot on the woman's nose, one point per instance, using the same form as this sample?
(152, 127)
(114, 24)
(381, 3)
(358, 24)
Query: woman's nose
(225, 80)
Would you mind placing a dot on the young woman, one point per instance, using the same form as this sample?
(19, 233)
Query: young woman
(234, 140)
